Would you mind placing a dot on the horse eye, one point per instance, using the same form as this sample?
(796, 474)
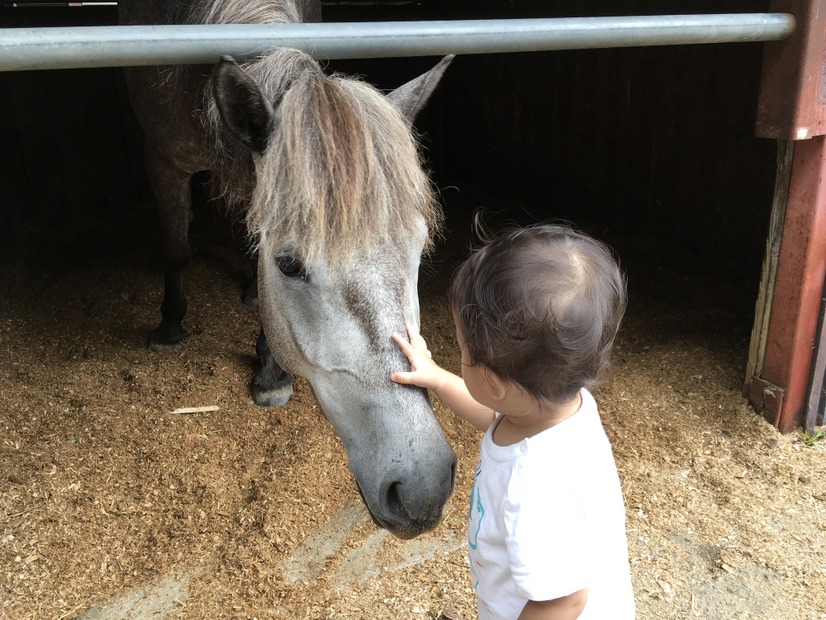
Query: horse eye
(291, 267)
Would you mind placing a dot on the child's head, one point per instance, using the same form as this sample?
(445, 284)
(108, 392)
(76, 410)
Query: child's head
(540, 307)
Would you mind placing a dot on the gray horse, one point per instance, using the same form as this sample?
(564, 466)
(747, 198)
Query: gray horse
(339, 208)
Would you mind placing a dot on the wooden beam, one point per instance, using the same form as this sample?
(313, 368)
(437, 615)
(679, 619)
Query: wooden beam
(791, 108)
(792, 100)
(780, 390)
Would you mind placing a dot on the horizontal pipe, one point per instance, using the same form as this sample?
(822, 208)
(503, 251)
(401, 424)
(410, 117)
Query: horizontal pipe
(112, 46)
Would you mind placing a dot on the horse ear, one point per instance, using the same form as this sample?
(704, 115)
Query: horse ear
(242, 105)
(410, 98)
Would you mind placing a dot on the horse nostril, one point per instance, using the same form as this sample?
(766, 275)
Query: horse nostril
(394, 502)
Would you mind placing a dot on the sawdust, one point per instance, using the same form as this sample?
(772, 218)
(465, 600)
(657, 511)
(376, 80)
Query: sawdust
(108, 499)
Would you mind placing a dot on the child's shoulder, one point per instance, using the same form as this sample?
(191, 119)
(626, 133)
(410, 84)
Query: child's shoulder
(574, 447)
(583, 426)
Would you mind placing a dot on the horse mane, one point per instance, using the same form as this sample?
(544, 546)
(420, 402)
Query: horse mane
(342, 173)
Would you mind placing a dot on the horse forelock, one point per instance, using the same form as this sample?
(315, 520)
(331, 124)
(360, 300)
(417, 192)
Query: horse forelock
(243, 12)
(342, 174)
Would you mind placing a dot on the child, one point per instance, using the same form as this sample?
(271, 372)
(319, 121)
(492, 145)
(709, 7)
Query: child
(536, 312)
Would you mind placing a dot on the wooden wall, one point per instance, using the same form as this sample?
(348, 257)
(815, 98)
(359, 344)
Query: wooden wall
(650, 142)
(70, 147)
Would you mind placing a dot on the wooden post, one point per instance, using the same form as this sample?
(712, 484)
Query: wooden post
(792, 107)
(779, 388)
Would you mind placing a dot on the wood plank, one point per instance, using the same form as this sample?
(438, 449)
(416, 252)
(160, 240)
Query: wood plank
(815, 400)
(762, 313)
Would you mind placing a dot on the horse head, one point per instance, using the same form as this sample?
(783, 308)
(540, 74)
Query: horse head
(341, 213)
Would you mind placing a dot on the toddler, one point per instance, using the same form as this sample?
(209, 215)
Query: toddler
(536, 311)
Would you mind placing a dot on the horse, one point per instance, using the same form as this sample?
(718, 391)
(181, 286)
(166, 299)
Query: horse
(328, 174)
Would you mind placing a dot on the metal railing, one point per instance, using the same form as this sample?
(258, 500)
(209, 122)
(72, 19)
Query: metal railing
(110, 46)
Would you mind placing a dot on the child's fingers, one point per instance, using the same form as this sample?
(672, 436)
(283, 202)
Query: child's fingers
(416, 339)
(405, 378)
(414, 345)
(403, 344)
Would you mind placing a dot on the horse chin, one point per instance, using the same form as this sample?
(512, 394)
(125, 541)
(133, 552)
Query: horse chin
(404, 533)
(408, 534)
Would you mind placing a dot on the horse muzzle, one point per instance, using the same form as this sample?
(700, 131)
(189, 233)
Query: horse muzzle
(408, 506)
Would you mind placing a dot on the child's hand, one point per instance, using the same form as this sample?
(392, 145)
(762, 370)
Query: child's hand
(425, 372)
(450, 388)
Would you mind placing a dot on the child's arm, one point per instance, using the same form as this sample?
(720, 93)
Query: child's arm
(450, 388)
(565, 608)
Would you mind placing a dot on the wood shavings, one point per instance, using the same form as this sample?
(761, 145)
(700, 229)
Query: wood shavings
(103, 492)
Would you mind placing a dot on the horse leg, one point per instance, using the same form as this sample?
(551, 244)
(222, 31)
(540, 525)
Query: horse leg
(171, 186)
(251, 291)
(271, 386)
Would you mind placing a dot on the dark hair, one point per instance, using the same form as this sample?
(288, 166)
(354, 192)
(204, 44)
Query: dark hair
(540, 306)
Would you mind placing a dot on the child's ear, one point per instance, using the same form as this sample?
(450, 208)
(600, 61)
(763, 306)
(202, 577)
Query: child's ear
(498, 385)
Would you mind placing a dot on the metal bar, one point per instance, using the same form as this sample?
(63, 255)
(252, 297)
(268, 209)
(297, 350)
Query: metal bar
(112, 46)
(51, 5)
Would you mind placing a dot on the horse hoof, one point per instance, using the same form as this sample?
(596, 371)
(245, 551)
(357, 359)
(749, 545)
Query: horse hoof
(250, 297)
(164, 338)
(272, 398)
(251, 302)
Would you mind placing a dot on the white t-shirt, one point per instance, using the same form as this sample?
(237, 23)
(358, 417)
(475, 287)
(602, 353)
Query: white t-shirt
(547, 519)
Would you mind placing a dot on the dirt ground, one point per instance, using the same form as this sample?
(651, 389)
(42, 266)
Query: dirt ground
(114, 506)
